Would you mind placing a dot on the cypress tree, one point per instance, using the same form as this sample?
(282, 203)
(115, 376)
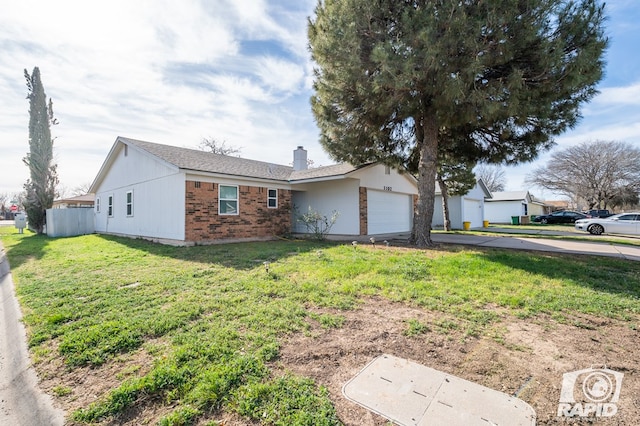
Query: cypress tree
(41, 187)
(394, 77)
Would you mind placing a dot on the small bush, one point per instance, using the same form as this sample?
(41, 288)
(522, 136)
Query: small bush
(317, 225)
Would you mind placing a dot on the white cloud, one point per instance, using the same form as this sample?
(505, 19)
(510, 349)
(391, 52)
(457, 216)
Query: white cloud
(619, 96)
(281, 75)
(174, 72)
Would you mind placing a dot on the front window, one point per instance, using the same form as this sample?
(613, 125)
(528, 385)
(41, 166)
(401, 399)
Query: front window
(110, 206)
(130, 203)
(228, 200)
(272, 198)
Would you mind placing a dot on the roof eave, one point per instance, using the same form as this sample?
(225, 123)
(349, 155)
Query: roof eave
(232, 176)
(317, 179)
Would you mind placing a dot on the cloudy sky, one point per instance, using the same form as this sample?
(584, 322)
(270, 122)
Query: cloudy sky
(175, 72)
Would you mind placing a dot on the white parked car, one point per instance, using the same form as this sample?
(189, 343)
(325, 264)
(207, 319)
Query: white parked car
(623, 223)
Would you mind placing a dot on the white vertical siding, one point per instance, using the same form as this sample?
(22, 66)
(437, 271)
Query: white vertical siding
(158, 198)
(325, 197)
(473, 207)
(438, 215)
(501, 211)
(374, 177)
(455, 212)
(470, 207)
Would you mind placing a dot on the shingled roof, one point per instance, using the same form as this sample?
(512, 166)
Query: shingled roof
(202, 161)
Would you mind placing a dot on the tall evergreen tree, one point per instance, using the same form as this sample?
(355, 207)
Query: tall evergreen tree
(393, 76)
(40, 188)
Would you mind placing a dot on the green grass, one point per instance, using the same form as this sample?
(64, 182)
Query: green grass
(213, 318)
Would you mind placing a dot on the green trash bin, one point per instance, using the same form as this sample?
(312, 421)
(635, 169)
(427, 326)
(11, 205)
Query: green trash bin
(515, 220)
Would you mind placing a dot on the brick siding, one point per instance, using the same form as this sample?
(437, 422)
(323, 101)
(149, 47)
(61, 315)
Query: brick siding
(256, 220)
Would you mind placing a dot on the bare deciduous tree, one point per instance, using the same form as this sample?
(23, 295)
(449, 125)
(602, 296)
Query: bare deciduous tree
(602, 173)
(492, 176)
(212, 145)
(81, 189)
(4, 199)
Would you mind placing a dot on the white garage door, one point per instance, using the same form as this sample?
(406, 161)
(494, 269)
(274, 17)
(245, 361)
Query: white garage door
(473, 212)
(388, 212)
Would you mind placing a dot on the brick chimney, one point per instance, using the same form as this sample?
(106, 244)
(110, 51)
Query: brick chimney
(300, 159)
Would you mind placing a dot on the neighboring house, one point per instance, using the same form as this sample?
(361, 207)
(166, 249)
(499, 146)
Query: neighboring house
(504, 205)
(462, 208)
(185, 196)
(557, 205)
(538, 207)
(81, 201)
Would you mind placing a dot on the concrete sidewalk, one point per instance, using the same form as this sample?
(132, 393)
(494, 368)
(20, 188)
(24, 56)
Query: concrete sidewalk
(21, 401)
(514, 242)
(541, 244)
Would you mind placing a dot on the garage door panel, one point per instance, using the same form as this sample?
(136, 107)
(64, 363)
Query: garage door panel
(388, 212)
(473, 212)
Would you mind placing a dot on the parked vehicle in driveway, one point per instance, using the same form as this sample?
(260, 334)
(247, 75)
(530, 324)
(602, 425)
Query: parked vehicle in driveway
(564, 216)
(598, 213)
(623, 223)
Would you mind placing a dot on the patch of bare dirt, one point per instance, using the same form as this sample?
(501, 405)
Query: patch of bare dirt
(79, 387)
(526, 358)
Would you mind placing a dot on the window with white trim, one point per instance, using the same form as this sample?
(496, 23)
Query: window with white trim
(97, 204)
(272, 198)
(129, 203)
(110, 206)
(228, 200)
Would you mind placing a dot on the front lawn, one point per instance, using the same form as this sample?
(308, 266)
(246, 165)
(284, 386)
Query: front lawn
(192, 335)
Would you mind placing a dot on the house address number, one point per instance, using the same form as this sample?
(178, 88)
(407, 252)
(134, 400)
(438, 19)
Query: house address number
(387, 188)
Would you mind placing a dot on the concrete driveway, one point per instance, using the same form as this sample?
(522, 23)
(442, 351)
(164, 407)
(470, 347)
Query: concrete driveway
(594, 248)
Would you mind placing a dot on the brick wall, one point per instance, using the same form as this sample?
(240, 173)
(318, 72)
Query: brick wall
(256, 220)
(364, 225)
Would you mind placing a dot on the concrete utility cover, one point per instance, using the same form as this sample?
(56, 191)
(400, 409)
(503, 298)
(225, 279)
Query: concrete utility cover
(408, 393)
